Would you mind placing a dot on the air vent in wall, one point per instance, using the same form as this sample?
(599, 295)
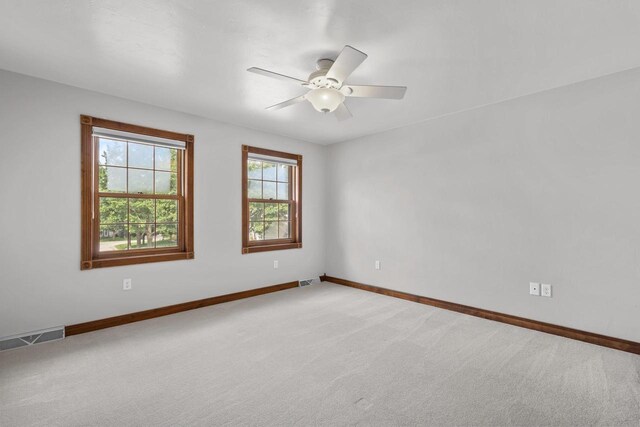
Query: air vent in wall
(30, 338)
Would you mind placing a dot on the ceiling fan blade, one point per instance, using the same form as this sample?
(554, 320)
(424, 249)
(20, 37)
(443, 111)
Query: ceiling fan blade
(286, 103)
(387, 92)
(273, 75)
(348, 60)
(342, 112)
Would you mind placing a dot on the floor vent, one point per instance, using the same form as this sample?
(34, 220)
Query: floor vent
(31, 338)
(305, 282)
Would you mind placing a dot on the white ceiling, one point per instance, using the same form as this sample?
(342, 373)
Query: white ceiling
(191, 55)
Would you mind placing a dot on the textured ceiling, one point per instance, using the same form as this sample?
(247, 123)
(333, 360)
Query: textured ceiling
(191, 56)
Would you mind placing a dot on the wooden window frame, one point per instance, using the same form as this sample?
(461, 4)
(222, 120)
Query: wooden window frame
(293, 242)
(91, 257)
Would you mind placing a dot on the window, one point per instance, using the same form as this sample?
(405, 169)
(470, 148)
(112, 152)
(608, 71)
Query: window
(137, 194)
(271, 200)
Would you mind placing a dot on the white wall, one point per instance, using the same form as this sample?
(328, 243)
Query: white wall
(467, 208)
(471, 207)
(41, 284)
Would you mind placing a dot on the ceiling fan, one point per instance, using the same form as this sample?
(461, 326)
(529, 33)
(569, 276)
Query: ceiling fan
(327, 88)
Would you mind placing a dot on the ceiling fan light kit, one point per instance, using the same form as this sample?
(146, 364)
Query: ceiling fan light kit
(327, 90)
(325, 100)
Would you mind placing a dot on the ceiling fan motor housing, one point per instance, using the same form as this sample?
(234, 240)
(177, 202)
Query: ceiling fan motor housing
(318, 78)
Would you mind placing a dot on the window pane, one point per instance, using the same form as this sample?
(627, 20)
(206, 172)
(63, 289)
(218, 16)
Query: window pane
(269, 171)
(141, 236)
(141, 210)
(270, 230)
(140, 155)
(269, 190)
(166, 183)
(283, 227)
(256, 231)
(256, 211)
(140, 181)
(254, 169)
(166, 159)
(113, 237)
(283, 191)
(113, 210)
(255, 189)
(166, 211)
(270, 211)
(112, 180)
(283, 173)
(112, 152)
(283, 211)
(166, 235)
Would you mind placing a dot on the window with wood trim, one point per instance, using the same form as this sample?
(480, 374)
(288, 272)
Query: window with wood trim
(137, 194)
(271, 200)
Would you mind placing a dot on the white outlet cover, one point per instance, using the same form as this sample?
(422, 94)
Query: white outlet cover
(534, 288)
(546, 290)
(275, 264)
(377, 265)
(126, 284)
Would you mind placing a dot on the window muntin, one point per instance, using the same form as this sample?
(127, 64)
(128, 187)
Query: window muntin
(137, 194)
(126, 170)
(271, 200)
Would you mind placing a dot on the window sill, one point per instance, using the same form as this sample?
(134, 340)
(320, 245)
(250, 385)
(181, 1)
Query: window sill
(138, 259)
(270, 247)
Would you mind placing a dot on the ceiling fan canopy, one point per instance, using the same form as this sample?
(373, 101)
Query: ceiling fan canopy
(327, 88)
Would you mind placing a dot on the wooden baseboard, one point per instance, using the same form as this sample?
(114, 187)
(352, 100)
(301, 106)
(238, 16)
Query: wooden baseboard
(94, 325)
(575, 334)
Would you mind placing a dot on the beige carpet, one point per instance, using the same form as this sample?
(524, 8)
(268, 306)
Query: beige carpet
(320, 355)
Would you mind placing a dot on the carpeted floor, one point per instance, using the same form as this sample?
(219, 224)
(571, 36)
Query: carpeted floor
(319, 355)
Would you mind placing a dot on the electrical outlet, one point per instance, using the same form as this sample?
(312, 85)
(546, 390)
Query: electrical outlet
(546, 290)
(377, 265)
(126, 285)
(534, 288)
(275, 263)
